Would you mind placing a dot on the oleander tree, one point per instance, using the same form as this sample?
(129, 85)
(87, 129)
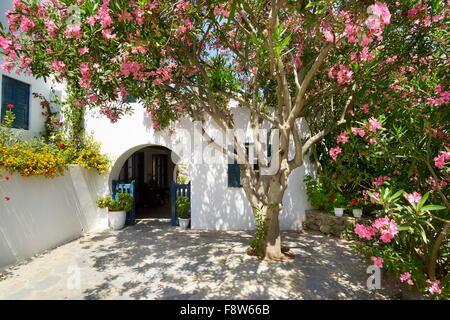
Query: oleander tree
(280, 61)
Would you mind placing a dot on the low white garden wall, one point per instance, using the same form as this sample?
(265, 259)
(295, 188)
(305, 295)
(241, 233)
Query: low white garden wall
(44, 213)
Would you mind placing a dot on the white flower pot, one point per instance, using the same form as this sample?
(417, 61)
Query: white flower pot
(338, 212)
(357, 213)
(184, 223)
(117, 219)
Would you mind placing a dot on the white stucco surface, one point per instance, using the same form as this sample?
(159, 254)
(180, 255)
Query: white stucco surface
(214, 205)
(44, 213)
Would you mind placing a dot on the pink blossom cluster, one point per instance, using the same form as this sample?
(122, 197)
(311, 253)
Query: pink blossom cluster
(73, 31)
(377, 261)
(374, 124)
(335, 152)
(379, 17)
(377, 197)
(444, 98)
(406, 277)
(378, 181)
(342, 138)
(437, 184)
(221, 11)
(386, 227)
(358, 132)
(441, 159)
(413, 197)
(434, 288)
(133, 68)
(364, 232)
(342, 73)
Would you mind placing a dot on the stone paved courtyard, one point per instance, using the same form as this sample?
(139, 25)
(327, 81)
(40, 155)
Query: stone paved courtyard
(153, 260)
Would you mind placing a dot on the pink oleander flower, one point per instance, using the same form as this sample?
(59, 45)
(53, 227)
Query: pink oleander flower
(374, 124)
(434, 288)
(335, 152)
(381, 11)
(378, 182)
(83, 50)
(58, 65)
(405, 276)
(342, 138)
(387, 228)
(377, 261)
(377, 196)
(364, 232)
(441, 159)
(358, 132)
(413, 197)
(73, 31)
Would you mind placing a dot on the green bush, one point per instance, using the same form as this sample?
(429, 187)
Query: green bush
(124, 202)
(183, 207)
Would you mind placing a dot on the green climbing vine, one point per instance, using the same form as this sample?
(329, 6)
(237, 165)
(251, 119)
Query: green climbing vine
(257, 242)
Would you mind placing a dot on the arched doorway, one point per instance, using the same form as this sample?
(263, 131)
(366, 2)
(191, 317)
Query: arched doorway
(152, 169)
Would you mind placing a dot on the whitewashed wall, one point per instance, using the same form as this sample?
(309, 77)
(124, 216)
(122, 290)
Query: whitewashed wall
(44, 213)
(215, 206)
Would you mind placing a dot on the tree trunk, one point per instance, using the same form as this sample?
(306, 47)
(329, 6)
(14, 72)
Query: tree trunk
(435, 252)
(272, 239)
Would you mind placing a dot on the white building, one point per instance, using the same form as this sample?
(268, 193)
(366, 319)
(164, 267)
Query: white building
(44, 213)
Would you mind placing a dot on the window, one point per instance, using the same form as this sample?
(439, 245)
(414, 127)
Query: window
(234, 169)
(234, 172)
(130, 99)
(16, 93)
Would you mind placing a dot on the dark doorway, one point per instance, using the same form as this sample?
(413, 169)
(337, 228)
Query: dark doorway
(153, 170)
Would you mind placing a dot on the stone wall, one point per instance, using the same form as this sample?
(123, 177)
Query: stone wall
(328, 223)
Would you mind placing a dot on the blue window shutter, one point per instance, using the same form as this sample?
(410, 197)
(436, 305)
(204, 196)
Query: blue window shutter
(18, 94)
(130, 99)
(234, 172)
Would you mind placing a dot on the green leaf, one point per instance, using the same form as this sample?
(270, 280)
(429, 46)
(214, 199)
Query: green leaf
(423, 200)
(433, 207)
(397, 194)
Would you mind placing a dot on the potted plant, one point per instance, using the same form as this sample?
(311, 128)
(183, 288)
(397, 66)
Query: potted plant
(117, 208)
(337, 201)
(183, 207)
(356, 206)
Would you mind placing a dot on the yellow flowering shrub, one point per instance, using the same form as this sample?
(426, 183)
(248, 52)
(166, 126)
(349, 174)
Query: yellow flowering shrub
(40, 157)
(49, 161)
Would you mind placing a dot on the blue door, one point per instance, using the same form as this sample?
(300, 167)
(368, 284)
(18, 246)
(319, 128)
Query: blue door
(130, 188)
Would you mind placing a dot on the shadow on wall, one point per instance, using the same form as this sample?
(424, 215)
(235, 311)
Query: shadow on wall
(218, 207)
(44, 213)
(214, 205)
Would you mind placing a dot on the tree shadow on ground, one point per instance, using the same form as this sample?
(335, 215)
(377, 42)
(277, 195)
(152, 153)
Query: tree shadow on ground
(153, 260)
